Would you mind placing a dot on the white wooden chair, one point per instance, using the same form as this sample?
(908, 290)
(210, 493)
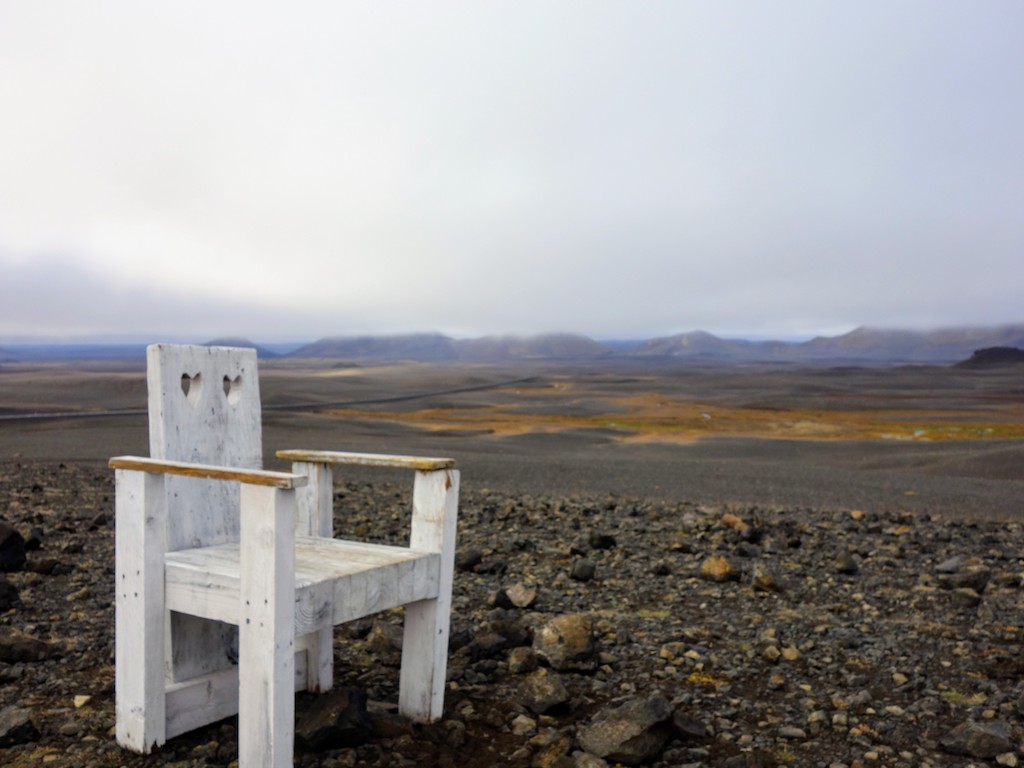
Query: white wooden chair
(228, 580)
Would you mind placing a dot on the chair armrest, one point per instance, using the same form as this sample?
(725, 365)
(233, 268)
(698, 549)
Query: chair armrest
(421, 463)
(248, 476)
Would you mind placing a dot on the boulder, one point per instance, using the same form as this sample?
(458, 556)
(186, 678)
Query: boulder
(16, 727)
(16, 646)
(9, 596)
(631, 732)
(543, 691)
(567, 643)
(12, 548)
(983, 740)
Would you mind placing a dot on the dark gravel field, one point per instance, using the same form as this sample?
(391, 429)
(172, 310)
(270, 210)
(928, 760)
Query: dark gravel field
(730, 601)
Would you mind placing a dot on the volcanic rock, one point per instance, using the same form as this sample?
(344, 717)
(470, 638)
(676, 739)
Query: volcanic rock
(12, 548)
(718, 568)
(16, 727)
(633, 731)
(17, 646)
(9, 596)
(543, 691)
(567, 643)
(976, 739)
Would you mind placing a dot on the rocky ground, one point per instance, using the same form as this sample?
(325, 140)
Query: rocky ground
(586, 632)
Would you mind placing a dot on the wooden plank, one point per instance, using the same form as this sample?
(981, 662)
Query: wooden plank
(335, 581)
(203, 700)
(187, 469)
(140, 512)
(315, 517)
(266, 632)
(421, 463)
(425, 640)
(204, 408)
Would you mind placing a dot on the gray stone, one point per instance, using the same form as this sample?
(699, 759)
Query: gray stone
(17, 646)
(952, 565)
(12, 548)
(687, 728)
(385, 637)
(632, 732)
(521, 596)
(583, 570)
(965, 597)
(34, 540)
(600, 540)
(975, 739)
(468, 559)
(567, 643)
(976, 578)
(543, 691)
(552, 750)
(846, 564)
(587, 760)
(766, 579)
(9, 596)
(16, 727)
(522, 660)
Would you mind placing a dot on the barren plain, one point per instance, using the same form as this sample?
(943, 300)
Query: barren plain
(917, 438)
(770, 565)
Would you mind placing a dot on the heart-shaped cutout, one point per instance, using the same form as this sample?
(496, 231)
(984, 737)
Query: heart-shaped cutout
(191, 386)
(233, 389)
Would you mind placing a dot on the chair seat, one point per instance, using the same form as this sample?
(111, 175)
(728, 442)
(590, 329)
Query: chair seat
(335, 580)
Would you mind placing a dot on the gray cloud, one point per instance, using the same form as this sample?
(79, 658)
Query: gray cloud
(613, 168)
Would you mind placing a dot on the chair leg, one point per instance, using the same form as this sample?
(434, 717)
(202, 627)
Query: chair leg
(140, 512)
(315, 517)
(320, 660)
(266, 664)
(425, 639)
(424, 661)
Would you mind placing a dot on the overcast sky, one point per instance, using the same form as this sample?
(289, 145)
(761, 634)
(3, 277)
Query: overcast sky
(287, 171)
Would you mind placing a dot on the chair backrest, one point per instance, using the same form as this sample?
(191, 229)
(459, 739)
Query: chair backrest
(204, 407)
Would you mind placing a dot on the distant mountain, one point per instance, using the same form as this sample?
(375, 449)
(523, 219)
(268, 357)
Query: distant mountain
(861, 346)
(438, 347)
(706, 346)
(554, 345)
(947, 345)
(993, 357)
(414, 346)
(867, 345)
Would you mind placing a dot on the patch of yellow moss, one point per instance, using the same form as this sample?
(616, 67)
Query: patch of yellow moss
(653, 417)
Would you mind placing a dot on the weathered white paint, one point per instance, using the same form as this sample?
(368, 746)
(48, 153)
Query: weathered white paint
(315, 506)
(187, 469)
(425, 639)
(207, 542)
(140, 517)
(209, 698)
(336, 581)
(421, 463)
(204, 426)
(212, 423)
(266, 663)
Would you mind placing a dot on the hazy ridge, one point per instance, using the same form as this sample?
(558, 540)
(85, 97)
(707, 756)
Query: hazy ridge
(862, 345)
